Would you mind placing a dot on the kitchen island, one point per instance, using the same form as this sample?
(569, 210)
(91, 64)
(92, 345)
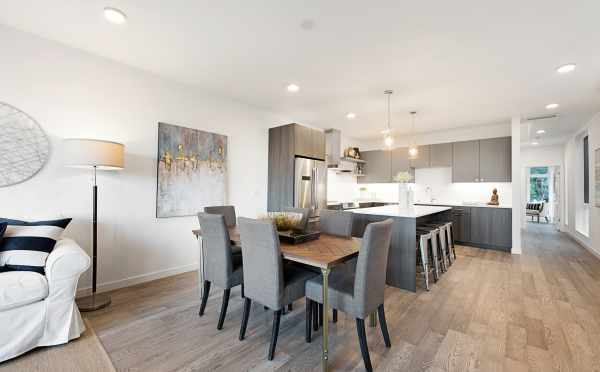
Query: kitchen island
(402, 257)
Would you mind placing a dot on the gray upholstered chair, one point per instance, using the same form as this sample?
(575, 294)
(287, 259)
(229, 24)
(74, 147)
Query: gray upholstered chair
(227, 211)
(221, 266)
(267, 281)
(362, 293)
(303, 225)
(338, 223)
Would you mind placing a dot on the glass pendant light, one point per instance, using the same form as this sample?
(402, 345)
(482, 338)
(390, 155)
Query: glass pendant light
(413, 150)
(388, 140)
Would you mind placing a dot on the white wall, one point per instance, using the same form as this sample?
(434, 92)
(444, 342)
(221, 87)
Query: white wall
(573, 164)
(74, 94)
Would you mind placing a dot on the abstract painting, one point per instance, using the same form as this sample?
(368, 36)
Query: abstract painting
(191, 170)
(597, 176)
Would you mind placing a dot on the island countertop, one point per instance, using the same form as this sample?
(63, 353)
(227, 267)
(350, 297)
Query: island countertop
(395, 211)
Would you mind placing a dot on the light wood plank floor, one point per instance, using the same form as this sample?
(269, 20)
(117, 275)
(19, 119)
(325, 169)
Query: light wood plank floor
(491, 312)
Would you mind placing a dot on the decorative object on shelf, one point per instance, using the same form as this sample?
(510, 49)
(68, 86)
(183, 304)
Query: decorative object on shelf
(413, 150)
(388, 140)
(98, 155)
(24, 147)
(191, 170)
(495, 198)
(405, 193)
(597, 176)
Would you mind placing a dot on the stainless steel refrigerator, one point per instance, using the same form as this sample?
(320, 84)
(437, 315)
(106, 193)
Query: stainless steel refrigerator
(310, 185)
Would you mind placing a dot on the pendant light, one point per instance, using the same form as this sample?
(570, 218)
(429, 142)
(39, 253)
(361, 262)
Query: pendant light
(413, 150)
(388, 140)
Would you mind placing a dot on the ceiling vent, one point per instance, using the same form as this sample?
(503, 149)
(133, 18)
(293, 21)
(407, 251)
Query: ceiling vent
(543, 117)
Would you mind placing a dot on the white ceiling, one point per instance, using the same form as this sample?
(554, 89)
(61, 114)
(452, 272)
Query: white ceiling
(459, 63)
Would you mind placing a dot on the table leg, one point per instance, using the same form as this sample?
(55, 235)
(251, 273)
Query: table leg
(200, 267)
(373, 320)
(325, 351)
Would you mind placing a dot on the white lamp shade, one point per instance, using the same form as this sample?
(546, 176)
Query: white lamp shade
(80, 152)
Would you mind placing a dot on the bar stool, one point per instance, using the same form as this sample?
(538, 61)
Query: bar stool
(427, 247)
(436, 248)
(450, 230)
(444, 243)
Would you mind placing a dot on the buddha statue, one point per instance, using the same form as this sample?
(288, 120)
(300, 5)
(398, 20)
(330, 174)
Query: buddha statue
(495, 199)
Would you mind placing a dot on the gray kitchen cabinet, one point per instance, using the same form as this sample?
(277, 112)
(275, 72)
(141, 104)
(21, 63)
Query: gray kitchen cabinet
(495, 160)
(481, 226)
(465, 161)
(423, 159)
(378, 166)
(491, 228)
(308, 142)
(440, 155)
(400, 162)
(501, 228)
(461, 224)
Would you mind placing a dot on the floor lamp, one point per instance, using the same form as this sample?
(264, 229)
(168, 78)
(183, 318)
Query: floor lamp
(98, 155)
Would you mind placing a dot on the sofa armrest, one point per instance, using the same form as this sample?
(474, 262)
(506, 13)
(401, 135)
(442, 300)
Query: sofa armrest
(66, 261)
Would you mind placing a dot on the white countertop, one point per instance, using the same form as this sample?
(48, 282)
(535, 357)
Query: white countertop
(462, 204)
(396, 211)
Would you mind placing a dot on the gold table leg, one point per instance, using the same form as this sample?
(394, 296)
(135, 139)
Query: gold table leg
(373, 320)
(325, 351)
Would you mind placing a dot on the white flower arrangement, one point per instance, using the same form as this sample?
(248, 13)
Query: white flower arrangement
(403, 177)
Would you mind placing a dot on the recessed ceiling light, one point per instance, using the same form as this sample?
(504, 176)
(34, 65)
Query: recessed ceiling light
(535, 143)
(293, 88)
(552, 106)
(566, 68)
(114, 15)
(350, 115)
(541, 131)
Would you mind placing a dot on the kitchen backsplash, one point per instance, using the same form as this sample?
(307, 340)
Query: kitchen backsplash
(429, 183)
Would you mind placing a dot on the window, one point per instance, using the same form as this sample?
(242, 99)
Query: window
(586, 171)
(539, 185)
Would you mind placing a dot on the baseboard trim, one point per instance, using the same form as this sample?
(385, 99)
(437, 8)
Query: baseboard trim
(137, 279)
(582, 243)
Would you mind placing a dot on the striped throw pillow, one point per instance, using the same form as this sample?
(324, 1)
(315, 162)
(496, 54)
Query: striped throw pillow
(26, 245)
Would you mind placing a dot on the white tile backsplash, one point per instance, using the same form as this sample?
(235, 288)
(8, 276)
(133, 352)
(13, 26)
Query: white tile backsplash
(429, 182)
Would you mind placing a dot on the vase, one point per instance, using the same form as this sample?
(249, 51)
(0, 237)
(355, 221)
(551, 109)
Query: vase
(403, 195)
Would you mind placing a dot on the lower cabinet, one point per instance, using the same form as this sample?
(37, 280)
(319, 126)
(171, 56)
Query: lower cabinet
(482, 227)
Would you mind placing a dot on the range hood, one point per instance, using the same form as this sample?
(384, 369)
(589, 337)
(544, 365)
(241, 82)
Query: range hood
(334, 155)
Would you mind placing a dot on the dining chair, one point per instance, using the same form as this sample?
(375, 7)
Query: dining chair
(362, 293)
(228, 211)
(338, 223)
(303, 224)
(221, 266)
(267, 280)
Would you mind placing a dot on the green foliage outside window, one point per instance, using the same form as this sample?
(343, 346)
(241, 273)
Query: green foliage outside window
(538, 184)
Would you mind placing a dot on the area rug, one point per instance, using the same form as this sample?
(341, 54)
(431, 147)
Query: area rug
(83, 354)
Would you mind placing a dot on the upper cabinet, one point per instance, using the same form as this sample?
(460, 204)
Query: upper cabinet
(378, 166)
(423, 160)
(440, 155)
(400, 162)
(466, 161)
(308, 142)
(495, 160)
(487, 160)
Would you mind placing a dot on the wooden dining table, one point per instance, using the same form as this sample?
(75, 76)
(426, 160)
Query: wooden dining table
(323, 253)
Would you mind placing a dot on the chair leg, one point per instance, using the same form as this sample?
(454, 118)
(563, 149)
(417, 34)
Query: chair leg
(308, 332)
(226, 294)
(383, 326)
(290, 307)
(243, 296)
(320, 315)
(274, 333)
(335, 315)
(205, 292)
(362, 340)
(245, 316)
(315, 314)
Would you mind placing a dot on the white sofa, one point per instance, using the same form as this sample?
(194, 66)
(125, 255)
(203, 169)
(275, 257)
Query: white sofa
(38, 310)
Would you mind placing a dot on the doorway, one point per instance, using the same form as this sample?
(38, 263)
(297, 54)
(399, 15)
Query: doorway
(543, 195)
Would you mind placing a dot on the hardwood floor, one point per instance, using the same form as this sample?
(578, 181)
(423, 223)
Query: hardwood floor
(491, 312)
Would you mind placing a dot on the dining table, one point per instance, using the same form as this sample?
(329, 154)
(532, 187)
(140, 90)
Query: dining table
(323, 253)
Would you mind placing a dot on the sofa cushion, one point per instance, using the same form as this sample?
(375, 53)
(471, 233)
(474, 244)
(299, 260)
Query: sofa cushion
(26, 245)
(20, 288)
